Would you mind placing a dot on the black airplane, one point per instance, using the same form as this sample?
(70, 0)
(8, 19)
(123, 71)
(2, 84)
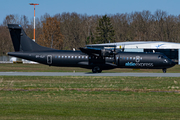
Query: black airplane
(88, 57)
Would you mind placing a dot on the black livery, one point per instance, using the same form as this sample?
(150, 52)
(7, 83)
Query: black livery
(90, 58)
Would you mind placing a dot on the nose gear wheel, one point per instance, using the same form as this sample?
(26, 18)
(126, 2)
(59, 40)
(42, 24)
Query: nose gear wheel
(96, 69)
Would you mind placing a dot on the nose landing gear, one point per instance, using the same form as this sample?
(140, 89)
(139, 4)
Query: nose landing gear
(164, 70)
(96, 69)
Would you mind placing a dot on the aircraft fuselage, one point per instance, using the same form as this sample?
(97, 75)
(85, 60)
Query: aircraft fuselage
(79, 59)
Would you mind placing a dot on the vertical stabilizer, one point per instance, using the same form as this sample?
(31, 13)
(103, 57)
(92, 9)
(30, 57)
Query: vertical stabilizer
(21, 41)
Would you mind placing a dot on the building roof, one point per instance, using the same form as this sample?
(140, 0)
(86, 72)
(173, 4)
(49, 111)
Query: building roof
(140, 45)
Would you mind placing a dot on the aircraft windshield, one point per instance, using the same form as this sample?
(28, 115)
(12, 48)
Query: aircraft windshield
(162, 56)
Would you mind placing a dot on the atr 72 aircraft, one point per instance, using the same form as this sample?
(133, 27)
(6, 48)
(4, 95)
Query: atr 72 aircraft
(90, 58)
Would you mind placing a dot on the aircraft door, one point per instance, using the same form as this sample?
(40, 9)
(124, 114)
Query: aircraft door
(49, 59)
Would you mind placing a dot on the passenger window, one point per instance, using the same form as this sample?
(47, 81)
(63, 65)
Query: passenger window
(58, 56)
(127, 58)
(130, 58)
(72, 56)
(55, 56)
(82, 56)
(75, 56)
(79, 57)
(62, 56)
(134, 58)
(65, 56)
(124, 58)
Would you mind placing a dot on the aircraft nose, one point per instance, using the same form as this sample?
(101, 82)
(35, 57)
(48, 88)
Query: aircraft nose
(173, 63)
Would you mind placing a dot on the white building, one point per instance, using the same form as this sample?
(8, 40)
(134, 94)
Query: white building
(170, 49)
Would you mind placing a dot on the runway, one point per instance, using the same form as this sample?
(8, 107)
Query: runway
(88, 74)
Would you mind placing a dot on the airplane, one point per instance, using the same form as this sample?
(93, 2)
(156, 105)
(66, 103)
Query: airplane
(91, 58)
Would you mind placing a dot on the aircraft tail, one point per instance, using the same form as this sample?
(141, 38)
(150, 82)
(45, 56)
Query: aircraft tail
(22, 42)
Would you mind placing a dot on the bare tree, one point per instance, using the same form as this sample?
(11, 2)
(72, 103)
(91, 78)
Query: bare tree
(51, 36)
(11, 19)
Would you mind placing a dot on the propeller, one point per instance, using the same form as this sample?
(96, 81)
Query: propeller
(123, 48)
(114, 54)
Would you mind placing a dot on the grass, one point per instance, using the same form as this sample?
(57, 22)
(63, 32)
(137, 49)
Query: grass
(85, 98)
(46, 68)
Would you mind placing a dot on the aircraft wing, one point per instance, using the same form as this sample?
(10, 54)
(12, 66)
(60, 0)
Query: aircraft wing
(98, 51)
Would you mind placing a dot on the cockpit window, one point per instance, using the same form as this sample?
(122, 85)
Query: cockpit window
(162, 56)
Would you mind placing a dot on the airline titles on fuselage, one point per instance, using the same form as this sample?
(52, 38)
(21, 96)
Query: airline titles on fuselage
(139, 64)
(137, 59)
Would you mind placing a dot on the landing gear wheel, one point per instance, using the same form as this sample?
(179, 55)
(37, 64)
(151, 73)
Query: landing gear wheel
(96, 69)
(99, 71)
(164, 70)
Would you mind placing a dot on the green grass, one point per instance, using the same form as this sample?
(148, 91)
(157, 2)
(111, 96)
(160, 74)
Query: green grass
(87, 98)
(46, 68)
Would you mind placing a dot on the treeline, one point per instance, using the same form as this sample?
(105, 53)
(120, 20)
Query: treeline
(73, 30)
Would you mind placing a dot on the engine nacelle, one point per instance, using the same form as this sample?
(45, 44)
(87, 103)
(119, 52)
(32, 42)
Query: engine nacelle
(107, 53)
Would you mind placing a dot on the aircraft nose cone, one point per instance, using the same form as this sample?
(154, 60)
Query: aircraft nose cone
(173, 63)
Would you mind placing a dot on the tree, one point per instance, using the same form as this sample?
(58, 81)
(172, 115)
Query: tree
(11, 19)
(74, 30)
(51, 35)
(105, 32)
(6, 43)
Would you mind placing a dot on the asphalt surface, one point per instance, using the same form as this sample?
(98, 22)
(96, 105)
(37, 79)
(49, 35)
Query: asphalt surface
(88, 74)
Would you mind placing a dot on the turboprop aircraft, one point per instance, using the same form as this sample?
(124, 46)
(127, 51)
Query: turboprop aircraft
(90, 58)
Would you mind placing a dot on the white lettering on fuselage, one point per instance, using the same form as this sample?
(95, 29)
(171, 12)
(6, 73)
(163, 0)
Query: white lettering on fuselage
(139, 64)
(40, 56)
(145, 64)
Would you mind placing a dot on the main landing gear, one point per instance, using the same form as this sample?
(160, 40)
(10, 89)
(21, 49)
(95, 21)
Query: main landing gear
(96, 69)
(164, 70)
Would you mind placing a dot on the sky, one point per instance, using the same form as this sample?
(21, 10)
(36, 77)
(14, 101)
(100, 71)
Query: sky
(89, 7)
